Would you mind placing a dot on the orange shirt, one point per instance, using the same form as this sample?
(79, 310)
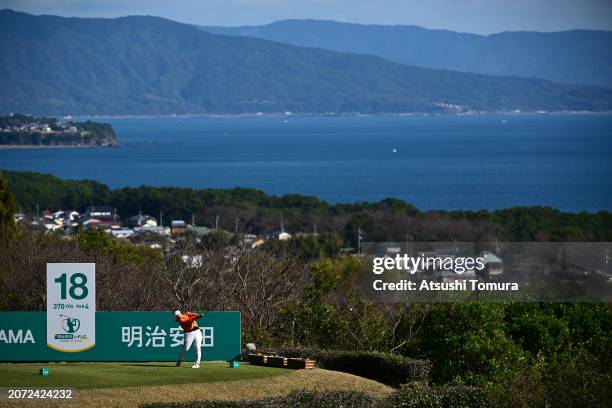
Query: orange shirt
(188, 321)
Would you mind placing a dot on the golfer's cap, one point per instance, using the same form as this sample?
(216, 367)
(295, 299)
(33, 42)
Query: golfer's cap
(177, 313)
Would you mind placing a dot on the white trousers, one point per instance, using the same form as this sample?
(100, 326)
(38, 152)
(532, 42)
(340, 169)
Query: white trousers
(190, 338)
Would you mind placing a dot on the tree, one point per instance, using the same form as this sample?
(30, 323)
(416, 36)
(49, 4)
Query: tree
(467, 342)
(7, 208)
(363, 222)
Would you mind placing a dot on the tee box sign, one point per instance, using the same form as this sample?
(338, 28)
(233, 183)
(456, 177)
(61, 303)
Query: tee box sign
(71, 306)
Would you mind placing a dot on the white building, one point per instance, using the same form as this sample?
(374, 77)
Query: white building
(283, 236)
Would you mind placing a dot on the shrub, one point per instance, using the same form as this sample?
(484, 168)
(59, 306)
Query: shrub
(572, 379)
(408, 397)
(384, 367)
(439, 397)
(390, 369)
(467, 343)
(578, 379)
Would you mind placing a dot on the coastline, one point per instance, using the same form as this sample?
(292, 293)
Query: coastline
(355, 114)
(18, 147)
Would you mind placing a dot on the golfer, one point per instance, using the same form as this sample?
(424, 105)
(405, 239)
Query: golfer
(192, 334)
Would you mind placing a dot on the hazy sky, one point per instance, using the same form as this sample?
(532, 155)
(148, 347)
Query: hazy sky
(476, 16)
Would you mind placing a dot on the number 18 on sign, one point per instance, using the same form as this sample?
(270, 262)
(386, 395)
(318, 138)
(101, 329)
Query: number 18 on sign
(71, 306)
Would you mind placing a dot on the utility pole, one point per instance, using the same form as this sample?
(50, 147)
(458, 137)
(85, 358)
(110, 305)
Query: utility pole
(236, 225)
(409, 239)
(606, 261)
(359, 241)
(193, 220)
(216, 222)
(315, 229)
(161, 218)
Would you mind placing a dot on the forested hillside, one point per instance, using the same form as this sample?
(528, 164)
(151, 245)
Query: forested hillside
(573, 57)
(149, 65)
(257, 212)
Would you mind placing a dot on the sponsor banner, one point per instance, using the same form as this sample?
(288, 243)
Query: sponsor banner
(486, 271)
(122, 336)
(71, 306)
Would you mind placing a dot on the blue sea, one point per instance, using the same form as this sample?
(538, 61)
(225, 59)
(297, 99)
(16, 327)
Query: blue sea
(434, 162)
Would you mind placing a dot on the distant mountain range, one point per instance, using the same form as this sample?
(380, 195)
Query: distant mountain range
(148, 65)
(573, 57)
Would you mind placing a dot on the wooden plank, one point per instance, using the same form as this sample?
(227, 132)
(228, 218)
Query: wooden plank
(276, 361)
(299, 363)
(257, 359)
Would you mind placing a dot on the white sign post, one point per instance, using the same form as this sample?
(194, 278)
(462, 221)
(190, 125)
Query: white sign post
(71, 306)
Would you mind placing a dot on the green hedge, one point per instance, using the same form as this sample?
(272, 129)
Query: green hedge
(390, 369)
(408, 397)
(421, 396)
(308, 399)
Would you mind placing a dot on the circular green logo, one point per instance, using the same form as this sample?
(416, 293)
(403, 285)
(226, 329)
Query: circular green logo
(70, 325)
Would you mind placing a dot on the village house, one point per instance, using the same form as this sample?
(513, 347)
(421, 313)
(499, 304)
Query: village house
(141, 220)
(100, 217)
(493, 264)
(178, 227)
